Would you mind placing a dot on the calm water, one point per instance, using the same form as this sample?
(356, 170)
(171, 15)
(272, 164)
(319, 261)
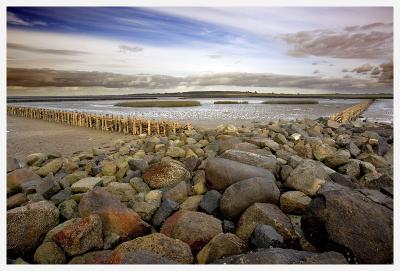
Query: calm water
(209, 114)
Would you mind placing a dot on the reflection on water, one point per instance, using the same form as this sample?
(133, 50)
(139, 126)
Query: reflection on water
(212, 114)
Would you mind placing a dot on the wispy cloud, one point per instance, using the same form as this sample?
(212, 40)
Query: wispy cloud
(15, 20)
(129, 49)
(27, 48)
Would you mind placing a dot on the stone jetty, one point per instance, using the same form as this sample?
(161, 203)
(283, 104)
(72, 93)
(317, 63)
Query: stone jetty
(351, 113)
(284, 192)
(105, 122)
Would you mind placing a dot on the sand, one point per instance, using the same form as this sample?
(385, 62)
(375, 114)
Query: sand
(26, 136)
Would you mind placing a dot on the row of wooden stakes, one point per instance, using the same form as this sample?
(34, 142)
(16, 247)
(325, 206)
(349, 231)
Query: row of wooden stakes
(351, 113)
(106, 122)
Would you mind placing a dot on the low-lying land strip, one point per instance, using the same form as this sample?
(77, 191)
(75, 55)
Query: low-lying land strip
(159, 104)
(291, 101)
(231, 102)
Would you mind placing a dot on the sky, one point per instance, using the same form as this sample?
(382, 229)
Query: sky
(338, 49)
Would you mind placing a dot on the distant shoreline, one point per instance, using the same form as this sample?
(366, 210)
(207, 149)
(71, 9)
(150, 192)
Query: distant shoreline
(193, 95)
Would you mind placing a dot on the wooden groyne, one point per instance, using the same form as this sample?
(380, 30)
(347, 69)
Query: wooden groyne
(105, 122)
(351, 113)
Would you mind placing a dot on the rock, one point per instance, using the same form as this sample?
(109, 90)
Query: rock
(268, 214)
(80, 235)
(51, 167)
(268, 162)
(355, 225)
(285, 172)
(49, 253)
(353, 149)
(239, 196)
(225, 144)
(27, 225)
(265, 236)
(199, 182)
(294, 202)
(165, 173)
(139, 164)
(303, 149)
(351, 168)
(86, 184)
(192, 163)
(61, 196)
(280, 138)
(333, 124)
(210, 202)
(48, 186)
(222, 173)
(157, 243)
(343, 140)
(194, 228)
(374, 159)
(175, 152)
(154, 196)
(13, 164)
(228, 226)
(145, 257)
(36, 159)
(108, 168)
(341, 157)
(378, 197)
(16, 200)
(366, 167)
(95, 257)
(72, 178)
(383, 147)
(144, 209)
(139, 185)
(307, 177)
(284, 256)
(344, 180)
(20, 176)
(295, 136)
(322, 151)
(111, 240)
(221, 245)
(191, 203)
(115, 216)
(370, 180)
(69, 209)
(294, 161)
(178, 193)
(123, 191)
(166, 209)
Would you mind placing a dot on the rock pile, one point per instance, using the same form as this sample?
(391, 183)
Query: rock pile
(285, 192)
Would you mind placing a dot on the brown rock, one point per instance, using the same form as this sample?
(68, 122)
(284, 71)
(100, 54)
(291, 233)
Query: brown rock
(19, 176)
(157, 243)
(222, 245)
(115, 216)
(49, 253)
(294, 202)
(165, 173)
(95, 257)
(194, 228)
(16, 200)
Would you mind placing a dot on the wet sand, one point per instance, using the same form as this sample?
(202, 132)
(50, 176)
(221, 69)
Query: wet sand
(26, 136)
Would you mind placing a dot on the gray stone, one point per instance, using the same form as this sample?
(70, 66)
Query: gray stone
(138, 164)
(61, 196)
(144, 209)
(166, 209)
(139, 185)
(210, 202)
(178, 193)
(353, 149)
(86, 184)
(265, 236)
(228, 226)
(68, 209)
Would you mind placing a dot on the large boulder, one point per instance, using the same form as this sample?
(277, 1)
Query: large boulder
(165, 173)
(284, 256)
(350, 222)
(27, 225)
(307, 177)
(247, 157)
(239, 196)
(222, 173)
(20, 176)
(194, 228)
(157, 243)
(115, 216)
(80, 235)
(222, 245)
(268, 214)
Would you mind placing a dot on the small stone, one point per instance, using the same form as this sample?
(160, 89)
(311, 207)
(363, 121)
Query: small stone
(108, 168)
(175, 152)
(333, 124)
(178, 193)
(48, 186)
(154, 196)
(36, 159)
(228, 226)
(191, 203)
(86, 184)
(138, 164)
(16, 200)
(199, 182)
(265, 236)
(18, 177)
(51, 167)
(61, 196)
(106, 180)
(210, 202)
(139, 185)
(49, 253)
(166, 209)
(95, 257)
(111, 240)
(144, 209)
(123, 191)
(68, 209)
(294, 202)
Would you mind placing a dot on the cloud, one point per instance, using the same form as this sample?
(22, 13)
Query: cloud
(354, 42)
(345, 70)
(32, 49)
(363, 68)
(316, 71)
(59, 78)
(129, 49)
(387, 73)
(214, 56)
(15, 20)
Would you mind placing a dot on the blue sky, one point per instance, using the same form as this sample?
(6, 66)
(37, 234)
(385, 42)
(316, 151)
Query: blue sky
(315, 42)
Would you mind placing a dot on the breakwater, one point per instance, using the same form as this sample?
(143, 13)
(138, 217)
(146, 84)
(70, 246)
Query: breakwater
(351, 113)
(106, 122)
